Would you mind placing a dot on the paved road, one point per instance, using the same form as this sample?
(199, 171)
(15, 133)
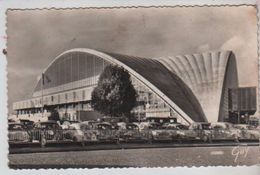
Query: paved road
(58, 147)
(152, 157)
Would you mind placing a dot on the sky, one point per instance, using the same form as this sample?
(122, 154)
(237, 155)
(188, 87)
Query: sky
(36, 37)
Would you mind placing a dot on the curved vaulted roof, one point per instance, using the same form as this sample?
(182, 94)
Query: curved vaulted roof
(208, 75)
(152, 73)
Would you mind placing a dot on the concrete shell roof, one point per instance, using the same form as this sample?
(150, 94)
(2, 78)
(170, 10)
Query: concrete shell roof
(158, 78)
(204, 74)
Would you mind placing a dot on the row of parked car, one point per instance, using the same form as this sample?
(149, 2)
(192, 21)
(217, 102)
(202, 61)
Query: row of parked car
(93, 131)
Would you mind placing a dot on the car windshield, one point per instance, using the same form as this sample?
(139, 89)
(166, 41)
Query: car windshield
(153, 126)
(84, 127)
(240, 127)
(49, 126)
(104, 126)
(169, 127)
(228, 125)
(131, 127)
(219, 127)
(251, 127)
(205, 126)
(15, 127)
(183, 127)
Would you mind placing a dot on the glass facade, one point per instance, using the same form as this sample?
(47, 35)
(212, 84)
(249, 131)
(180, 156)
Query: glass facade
(149, 105)
(72, 67)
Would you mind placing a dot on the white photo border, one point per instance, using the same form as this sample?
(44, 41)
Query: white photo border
(67, 4)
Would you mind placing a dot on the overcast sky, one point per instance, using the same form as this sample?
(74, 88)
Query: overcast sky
(35, 37)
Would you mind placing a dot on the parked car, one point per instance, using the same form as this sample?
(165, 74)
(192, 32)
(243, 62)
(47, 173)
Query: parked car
(106, 131)
(17, 132)
(168, 131)
(65, 123)
(154, 125)
(46, 131)
(122, 125)
(197, 131)
(80, 132)
(148, 125)
(131, 132)
(248, 131)
(27, 123)
(225, 131)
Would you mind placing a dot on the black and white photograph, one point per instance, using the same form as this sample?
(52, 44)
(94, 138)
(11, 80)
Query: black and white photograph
(133, 87)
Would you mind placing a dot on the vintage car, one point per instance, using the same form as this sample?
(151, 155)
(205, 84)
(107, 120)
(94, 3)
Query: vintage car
(27, 123)
(225, 131)
(46, 131)
(131, 132)
(248, 132)
(168, 131)
(66, 123)
(148, 125)
(196, 131)
(80, 132)
(122, 125)
(17, 132)
(106, 131)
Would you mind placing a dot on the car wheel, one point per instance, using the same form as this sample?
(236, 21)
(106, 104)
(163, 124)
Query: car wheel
(43, 141)
(150, 138)
(30, 139)
(210, 140)
(93, 137)
(236, 138)
(205, 138)
(118, 140)
(126, 139)
(179, 139)
(75, 139)
(252, 137)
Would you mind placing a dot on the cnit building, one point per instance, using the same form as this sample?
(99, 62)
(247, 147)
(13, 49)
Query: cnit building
(189, 88)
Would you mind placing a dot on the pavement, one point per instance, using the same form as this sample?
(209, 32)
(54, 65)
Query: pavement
(142, 157)
(69, 146)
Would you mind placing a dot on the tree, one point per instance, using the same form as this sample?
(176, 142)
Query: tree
(114, 95)
(54, 115)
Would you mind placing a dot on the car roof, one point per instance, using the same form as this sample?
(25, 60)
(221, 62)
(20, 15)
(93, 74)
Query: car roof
(15, 123)
(132, 124)
(157, 123)
(201, 123)
(25, 120)
(104, 123)
(49, 121)
(222, 123)
(172, 124)
(241, 125)
(218, 124)
(79, 124)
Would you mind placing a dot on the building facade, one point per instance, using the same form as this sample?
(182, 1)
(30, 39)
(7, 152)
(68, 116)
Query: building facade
(191, 88)
(242, 104)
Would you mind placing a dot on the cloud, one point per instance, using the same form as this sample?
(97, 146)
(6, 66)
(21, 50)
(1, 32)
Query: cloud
(38, 36)
(23, 72)
(246, 57)
(203, 48)
(234, 43)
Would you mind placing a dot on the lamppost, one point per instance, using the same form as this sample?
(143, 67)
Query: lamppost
(42, 84)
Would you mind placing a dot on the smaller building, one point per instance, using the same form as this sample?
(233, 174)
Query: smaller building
(242, 104)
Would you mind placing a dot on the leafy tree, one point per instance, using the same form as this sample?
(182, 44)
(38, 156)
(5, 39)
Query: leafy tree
(54, 115)
(114, 95)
